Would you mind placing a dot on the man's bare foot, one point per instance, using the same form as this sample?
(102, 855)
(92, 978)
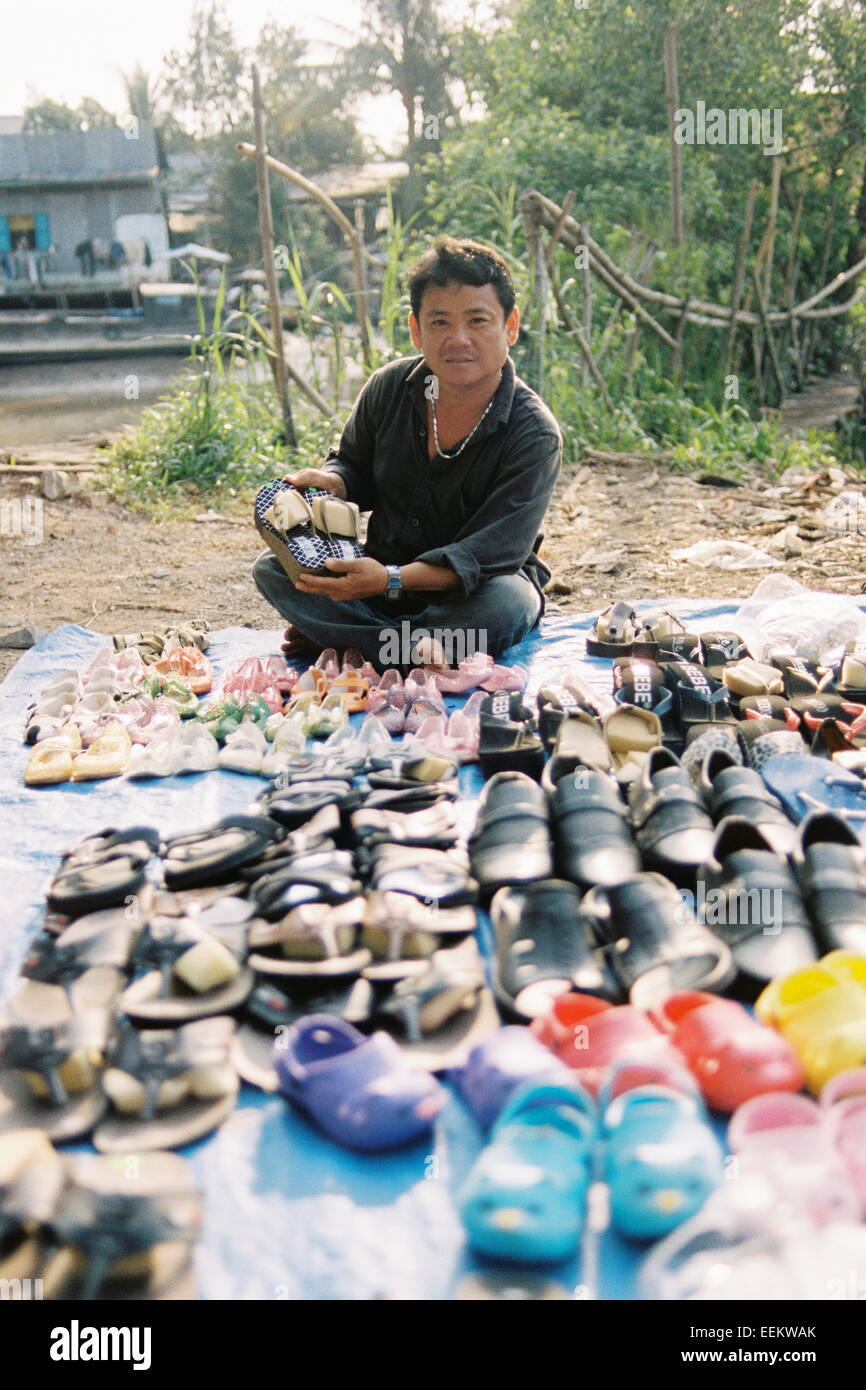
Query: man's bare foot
(429, 652)
(296, 644)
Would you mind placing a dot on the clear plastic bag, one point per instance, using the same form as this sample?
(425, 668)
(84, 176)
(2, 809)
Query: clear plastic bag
(726, 555)
(782, 612)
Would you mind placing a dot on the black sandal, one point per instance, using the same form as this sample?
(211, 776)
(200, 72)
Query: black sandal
(438, 1015)
(673, 831)
(542, 950)
(773, 935)
(312, 940)
(653, 941)
(135, 1237)
(830, 868)
(50, 1052)
(188, 1069)
(511, 840)
(188, 974)
(431, 875)
(507, 741)
(594, 845)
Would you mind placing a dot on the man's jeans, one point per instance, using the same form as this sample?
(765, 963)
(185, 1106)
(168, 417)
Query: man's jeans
(499, 613)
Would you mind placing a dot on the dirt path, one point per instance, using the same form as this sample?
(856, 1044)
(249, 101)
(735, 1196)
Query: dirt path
(609, 533)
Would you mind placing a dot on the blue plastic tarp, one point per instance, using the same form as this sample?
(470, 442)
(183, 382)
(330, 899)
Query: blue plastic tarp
(288, 1213)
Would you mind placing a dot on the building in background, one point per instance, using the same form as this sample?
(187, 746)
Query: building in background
(70, 200)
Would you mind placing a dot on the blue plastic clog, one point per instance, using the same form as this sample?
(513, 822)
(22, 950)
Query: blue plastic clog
(661, 1160)
(525, 1198)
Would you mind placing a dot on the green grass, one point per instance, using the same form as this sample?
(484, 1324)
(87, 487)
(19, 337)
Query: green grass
(217, 436)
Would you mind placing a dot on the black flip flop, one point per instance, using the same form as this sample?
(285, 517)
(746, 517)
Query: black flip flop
(270, 1012)
(722, 649)
(403, 932)
(216, 854)
(401, 770)
(318, 876)
(748, 895)
(432, 827)
(554, 702)
(54, 1036)
(314, 940)
(653, 940)
(594, 845)
(177, 955)
(511, 840)
(140, 840)
(133, 1238)
(543, 950)
(698, 699)
(431, 875)
(78, 889)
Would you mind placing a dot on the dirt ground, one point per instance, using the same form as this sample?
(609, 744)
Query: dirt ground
(610, 533)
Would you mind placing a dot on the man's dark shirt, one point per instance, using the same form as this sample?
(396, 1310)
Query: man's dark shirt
(478, 514)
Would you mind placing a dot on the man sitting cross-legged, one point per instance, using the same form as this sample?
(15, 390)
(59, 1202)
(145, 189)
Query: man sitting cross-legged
(455, 458)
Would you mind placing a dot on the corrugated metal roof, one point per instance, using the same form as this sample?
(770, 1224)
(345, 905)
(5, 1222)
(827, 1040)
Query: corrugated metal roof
(76, 157)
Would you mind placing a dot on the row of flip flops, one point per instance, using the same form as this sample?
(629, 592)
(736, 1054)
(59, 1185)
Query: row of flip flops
(84, 1228)
(122, 1025)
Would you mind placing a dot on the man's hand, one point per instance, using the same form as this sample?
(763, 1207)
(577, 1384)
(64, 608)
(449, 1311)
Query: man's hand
(352, 579)
(317, 477)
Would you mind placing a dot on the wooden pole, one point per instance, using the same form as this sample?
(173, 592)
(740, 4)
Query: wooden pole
(292, 176)
(567, 204)
(266, 228)
(771, 227)
(633, 338)
(677, 361)
(793, 337)
(586, 296)
(637, 268)
(768, 334)
(740, 273)
(584, 347)
(672, 97)
(532, 235)
(550, 252)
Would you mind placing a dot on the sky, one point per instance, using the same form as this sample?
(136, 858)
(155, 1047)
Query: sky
(67, 49)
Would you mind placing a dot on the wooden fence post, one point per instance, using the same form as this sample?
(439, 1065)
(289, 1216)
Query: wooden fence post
(740, 273)
(672, 97)
(266, 228)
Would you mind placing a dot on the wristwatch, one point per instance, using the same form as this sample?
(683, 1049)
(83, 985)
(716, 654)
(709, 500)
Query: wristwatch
(395, 583)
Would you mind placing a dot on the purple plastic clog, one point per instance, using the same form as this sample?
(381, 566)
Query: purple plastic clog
(501, 1063)
(361, 1091)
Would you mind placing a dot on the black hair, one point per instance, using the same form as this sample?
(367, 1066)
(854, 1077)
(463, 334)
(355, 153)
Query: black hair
(467, 262)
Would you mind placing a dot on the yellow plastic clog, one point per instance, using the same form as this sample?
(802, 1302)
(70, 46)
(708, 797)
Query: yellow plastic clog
(822, 1013)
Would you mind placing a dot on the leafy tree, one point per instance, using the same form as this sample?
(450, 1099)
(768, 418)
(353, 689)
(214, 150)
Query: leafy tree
(839, 76)
(205, 84)
(48, 115)
(404, 48)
